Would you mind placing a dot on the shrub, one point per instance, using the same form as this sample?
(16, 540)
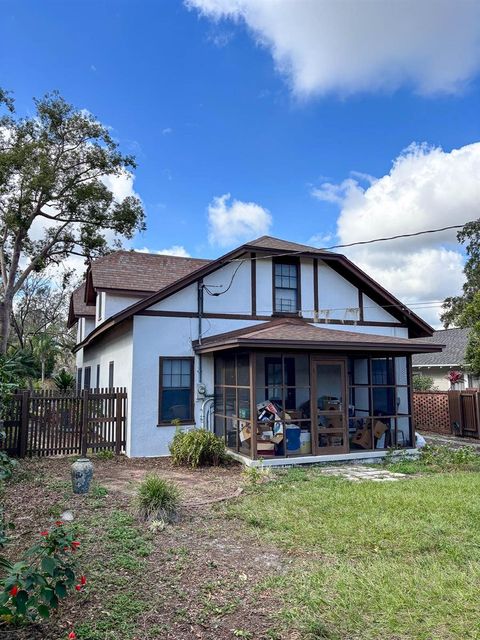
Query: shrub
(422, 383)
(33, 587)
(158, 499)
(64, 381)
(197, 448)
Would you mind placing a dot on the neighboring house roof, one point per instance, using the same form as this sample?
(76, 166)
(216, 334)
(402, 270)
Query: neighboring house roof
(295, 333)
(271, 247)
(78, 307)
(455, 341)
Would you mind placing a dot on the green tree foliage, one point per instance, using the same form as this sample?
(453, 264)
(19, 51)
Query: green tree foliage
(54, 168)
(464, 310)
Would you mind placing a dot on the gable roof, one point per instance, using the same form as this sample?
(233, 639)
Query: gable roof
(294, 333)
(277, 244)
(261, 248)
(143, 272)
(455, 341)
(78, 307)
(131, 272)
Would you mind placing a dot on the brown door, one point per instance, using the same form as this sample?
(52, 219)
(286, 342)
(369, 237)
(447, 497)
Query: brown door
(329, 402)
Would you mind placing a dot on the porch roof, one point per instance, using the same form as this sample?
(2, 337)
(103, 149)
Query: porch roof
(295, 333)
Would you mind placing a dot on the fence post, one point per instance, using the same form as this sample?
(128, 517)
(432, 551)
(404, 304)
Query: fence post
(84, 444)
(23, 433)
(118, 423)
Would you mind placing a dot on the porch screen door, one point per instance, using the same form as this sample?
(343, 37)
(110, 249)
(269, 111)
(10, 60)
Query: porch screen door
(329, 404)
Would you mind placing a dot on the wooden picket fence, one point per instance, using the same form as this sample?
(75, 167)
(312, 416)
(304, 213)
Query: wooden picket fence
(50, 423)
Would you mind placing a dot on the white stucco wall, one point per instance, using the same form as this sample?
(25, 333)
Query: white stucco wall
(264, 287)
(184, 300)
(165, 336)
(114, 303)
(374, 312)
(116, 346)
(337, 298)
(394, 332)
(230, 301)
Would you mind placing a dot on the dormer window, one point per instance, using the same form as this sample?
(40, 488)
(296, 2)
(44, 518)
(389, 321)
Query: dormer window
(286, 276)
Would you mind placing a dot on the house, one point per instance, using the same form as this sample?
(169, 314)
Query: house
(452, 358)
(290, 353)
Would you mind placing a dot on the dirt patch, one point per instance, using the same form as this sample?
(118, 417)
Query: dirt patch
(200, 578)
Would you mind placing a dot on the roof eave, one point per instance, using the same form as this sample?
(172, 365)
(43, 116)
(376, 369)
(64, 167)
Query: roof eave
(315, 345)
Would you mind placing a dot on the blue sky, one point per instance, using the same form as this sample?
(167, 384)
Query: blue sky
(207, 112)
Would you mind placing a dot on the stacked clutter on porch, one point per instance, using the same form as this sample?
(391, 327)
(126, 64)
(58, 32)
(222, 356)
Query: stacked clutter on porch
(277, 436)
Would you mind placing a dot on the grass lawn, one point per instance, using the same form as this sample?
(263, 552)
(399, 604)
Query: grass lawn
(392, 560)
(303, 556)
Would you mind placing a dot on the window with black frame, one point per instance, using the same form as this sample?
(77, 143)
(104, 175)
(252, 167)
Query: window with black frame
(286, 287)
(379, 403)
(175, 402)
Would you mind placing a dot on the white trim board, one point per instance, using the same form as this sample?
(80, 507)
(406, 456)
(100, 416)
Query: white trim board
(361, 456)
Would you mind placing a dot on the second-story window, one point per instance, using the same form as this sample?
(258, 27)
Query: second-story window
(286, 290)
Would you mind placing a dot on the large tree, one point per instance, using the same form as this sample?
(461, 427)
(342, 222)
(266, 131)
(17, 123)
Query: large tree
(464, 310)
(55, 168)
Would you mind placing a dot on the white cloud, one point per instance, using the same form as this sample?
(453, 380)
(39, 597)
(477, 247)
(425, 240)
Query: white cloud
(174, 250)
(231, 222)
(347, 46)
(427, 188)
(166, 131)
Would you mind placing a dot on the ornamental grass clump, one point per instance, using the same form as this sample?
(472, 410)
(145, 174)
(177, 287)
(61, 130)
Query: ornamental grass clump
(197, 448)
(158, 499)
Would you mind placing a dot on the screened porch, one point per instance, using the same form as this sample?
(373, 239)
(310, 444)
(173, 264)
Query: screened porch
(280, 405)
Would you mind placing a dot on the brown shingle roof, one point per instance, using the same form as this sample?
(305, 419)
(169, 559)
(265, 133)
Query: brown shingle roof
(78, 307)
(142, 272)
(269, 242)
(296, 333)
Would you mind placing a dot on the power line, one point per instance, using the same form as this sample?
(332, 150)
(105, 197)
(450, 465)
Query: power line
(359, 242)
(402, 235)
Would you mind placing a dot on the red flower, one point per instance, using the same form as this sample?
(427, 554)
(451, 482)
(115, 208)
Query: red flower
(14, 590)
(71, 635)
(44, 533)
(83, 580)
(59, 523)
(78, 587)
(75, 544)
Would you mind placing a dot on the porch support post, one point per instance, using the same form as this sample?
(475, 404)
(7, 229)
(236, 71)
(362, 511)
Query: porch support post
(412, 414)
(253, 404)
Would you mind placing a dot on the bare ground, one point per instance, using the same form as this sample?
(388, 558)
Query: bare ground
(199, 578)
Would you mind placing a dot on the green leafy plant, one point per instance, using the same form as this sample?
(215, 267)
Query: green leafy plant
(197, 448)
(64, 381)
(257, 475)
(158, 498)
(7, 465)
(422, 383)
(34, 586)
(106, 454)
